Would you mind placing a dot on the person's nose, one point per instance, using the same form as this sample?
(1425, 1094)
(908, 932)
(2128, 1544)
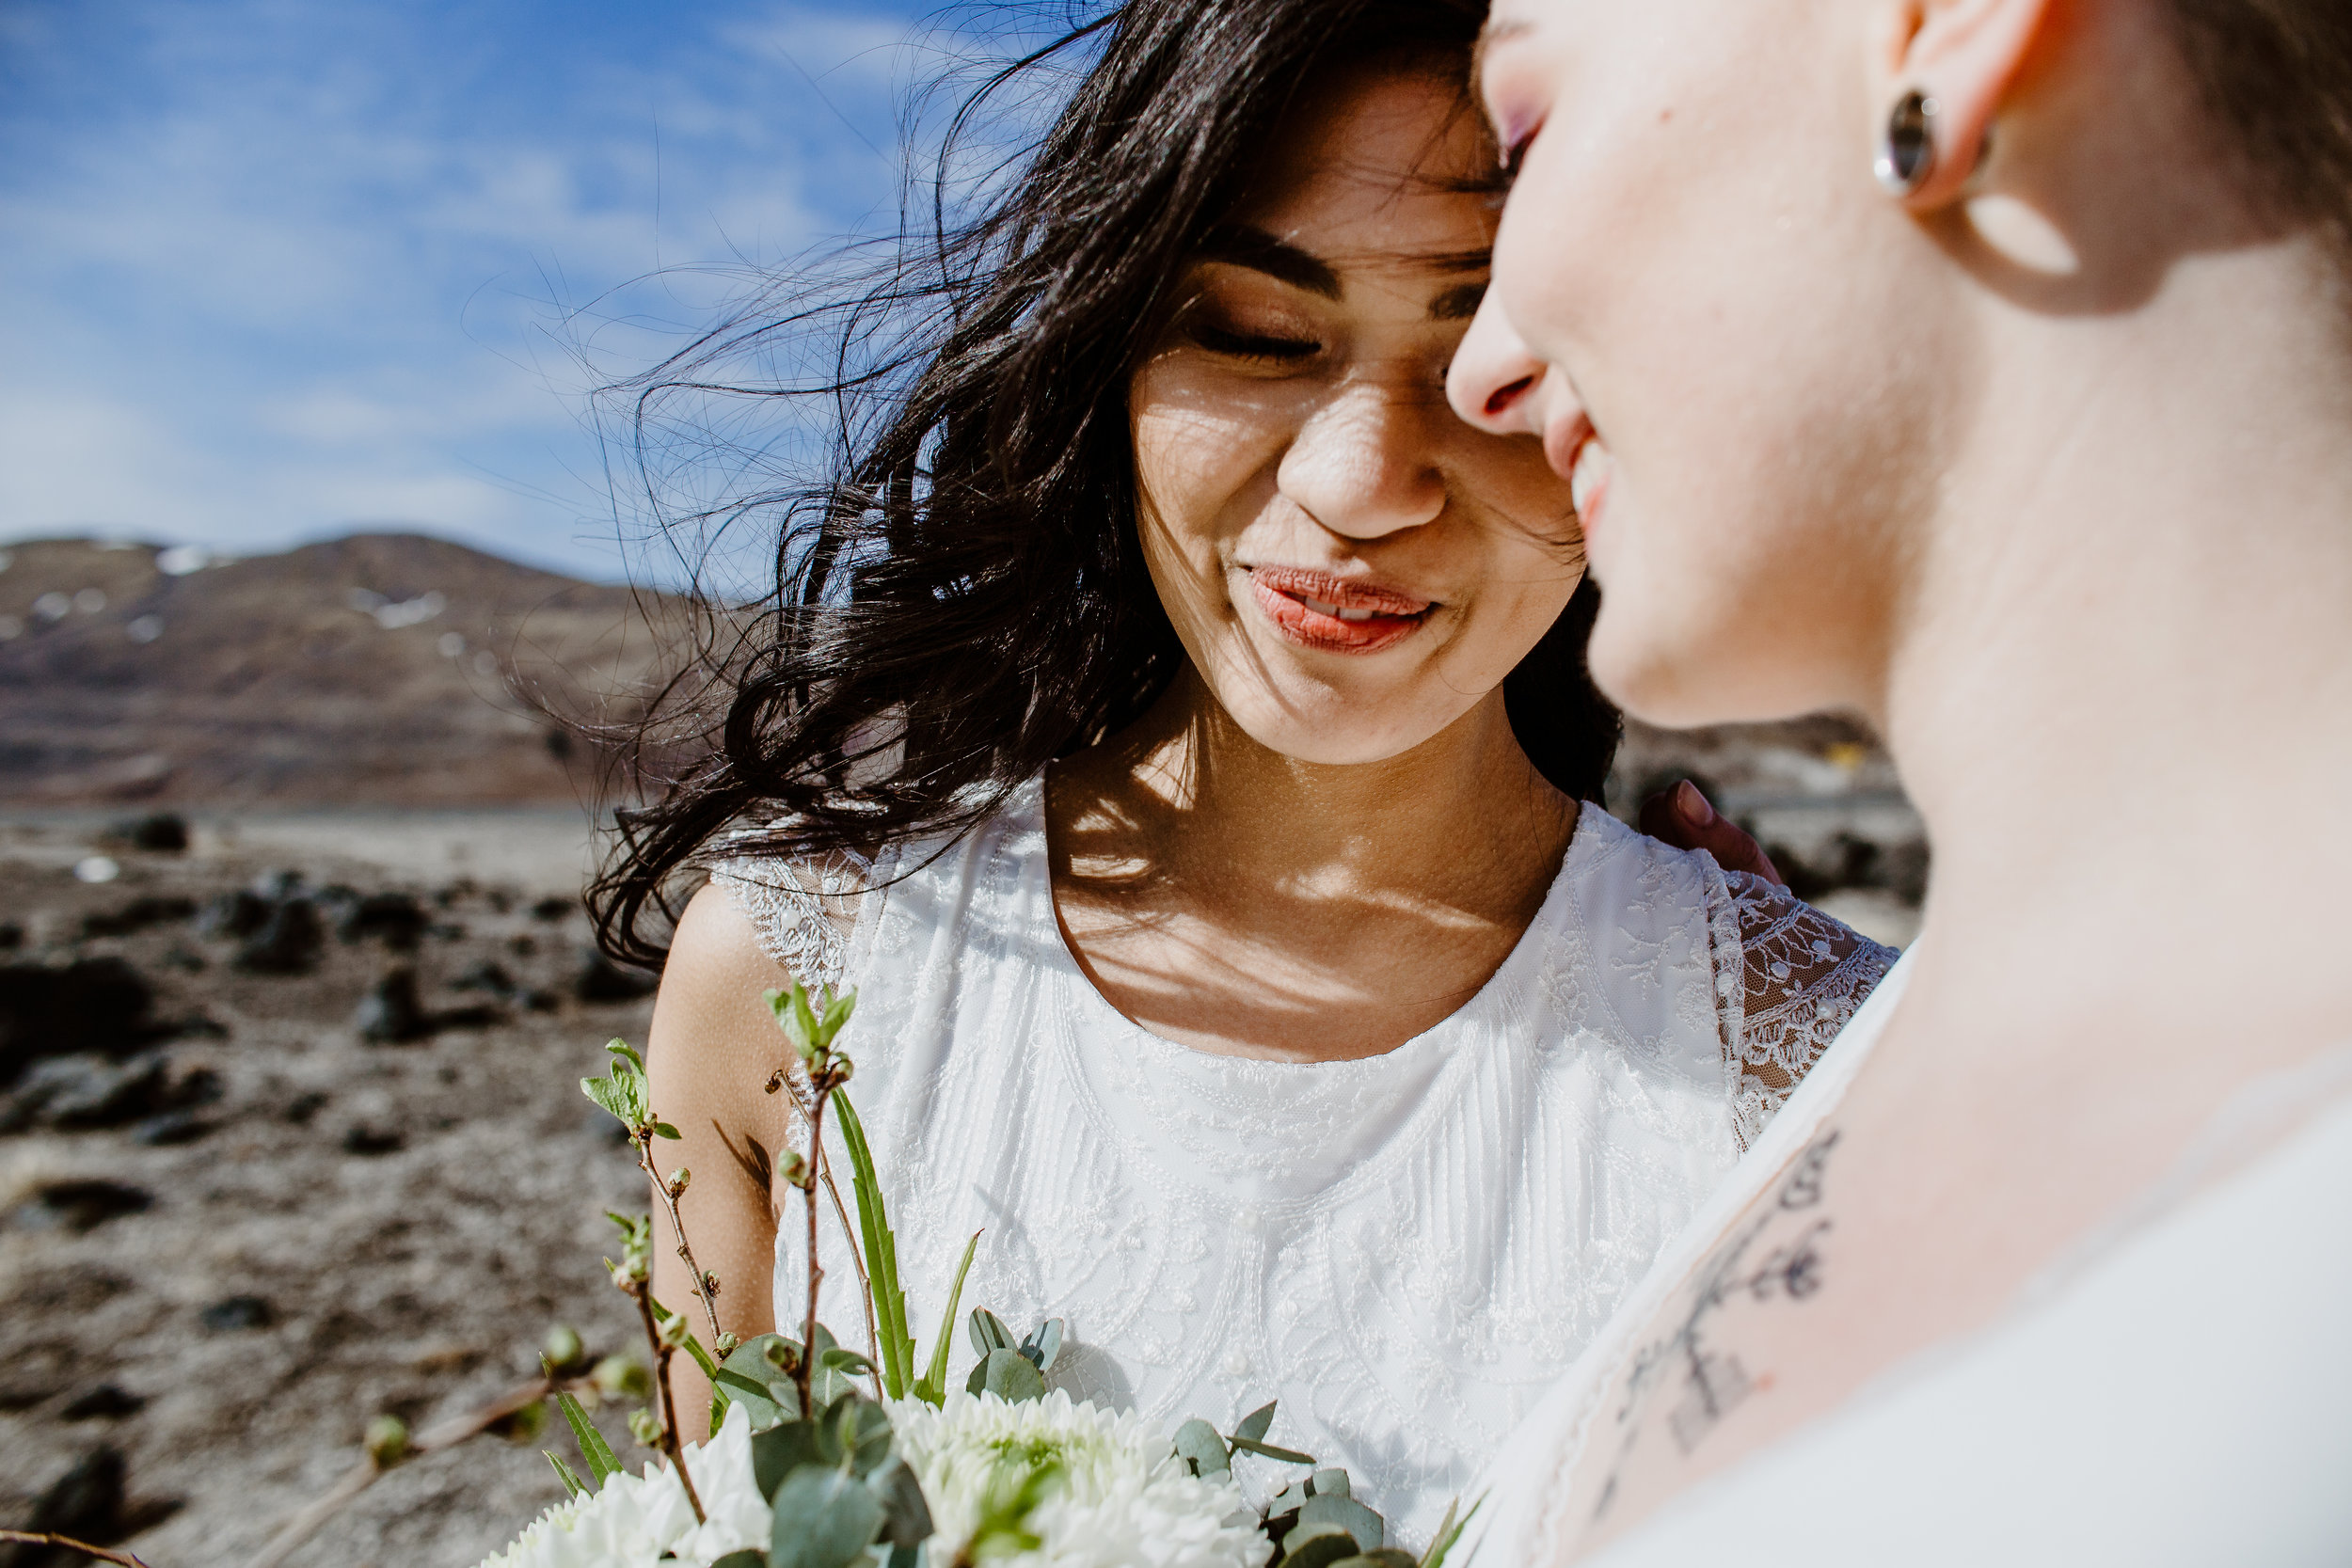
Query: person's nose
(1496, 383)
(1365, 464)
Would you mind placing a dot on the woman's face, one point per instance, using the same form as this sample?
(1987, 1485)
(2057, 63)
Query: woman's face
(1692, 306)
(1351, 567)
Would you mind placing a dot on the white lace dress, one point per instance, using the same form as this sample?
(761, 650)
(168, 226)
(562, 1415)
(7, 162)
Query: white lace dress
(1406, 1251)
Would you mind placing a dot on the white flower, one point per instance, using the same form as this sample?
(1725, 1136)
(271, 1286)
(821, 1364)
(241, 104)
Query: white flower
(639, 1521)
(1122, 1500)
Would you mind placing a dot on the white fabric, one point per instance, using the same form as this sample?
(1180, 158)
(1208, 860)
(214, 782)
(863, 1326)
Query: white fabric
(1405, 1251)
(2178, 1392)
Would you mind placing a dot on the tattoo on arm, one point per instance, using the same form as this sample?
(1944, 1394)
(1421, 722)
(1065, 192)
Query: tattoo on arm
(1711, 1382)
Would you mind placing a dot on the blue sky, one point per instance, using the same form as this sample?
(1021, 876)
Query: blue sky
(272, 270)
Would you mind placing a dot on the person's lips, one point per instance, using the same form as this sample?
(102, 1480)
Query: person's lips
(1577, 453)
(1335, 614)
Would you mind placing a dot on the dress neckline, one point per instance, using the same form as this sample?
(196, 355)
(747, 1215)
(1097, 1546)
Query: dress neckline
(1026, 811)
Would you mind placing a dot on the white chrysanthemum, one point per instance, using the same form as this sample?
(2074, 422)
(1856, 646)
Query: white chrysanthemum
(639, 1521)
(1123, 1500)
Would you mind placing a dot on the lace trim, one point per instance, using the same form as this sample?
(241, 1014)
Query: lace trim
(1804, 976)
(805, 911)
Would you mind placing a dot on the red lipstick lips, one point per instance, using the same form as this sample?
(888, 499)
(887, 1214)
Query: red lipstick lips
(1331, 614)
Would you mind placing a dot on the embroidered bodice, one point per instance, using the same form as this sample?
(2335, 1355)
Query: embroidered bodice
(1406, 1250)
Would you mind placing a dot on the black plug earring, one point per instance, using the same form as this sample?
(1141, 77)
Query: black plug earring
(1906, 156)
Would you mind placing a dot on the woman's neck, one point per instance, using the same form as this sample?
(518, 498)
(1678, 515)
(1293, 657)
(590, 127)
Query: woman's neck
(1240, 900)
(2123, 697)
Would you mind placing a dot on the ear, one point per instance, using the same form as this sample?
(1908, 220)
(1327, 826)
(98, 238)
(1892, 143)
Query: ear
(1965, 54)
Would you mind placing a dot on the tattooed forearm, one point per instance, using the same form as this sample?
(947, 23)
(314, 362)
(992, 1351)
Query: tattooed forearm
(1711, 1381)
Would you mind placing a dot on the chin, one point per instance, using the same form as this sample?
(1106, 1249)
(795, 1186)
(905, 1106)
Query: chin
(1679, 667)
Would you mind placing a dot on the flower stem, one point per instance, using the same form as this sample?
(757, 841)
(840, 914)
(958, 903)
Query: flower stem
(677, 1228)
(662, 1351)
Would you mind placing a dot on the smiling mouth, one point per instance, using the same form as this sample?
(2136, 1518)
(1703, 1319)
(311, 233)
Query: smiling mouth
(1331, 614)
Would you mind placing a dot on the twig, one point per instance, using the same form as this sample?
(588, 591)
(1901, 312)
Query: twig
(456, 1430)
(822, 1091)
(48, 1538)
(705, 1286)
(864, 1282)
(662, 1351)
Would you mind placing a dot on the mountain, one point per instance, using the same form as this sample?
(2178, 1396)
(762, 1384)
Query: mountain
(375, 669)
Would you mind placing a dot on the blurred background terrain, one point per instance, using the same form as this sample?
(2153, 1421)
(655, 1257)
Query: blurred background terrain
(294, 981)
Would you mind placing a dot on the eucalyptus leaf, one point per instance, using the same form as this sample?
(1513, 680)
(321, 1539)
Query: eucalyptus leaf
(749, 1557)
(1198, 1445)
(780, 1450)
(594, 1452)
(1332, 1483)
(573, 1485)
(989, 1332)
(846, 1359)
(1318, 1548)
(1293, 1498)
(1288, 1456)
(1007, 1374)
(766, 1404)
(906, 1517)
(1255, 1425)
(1385, 1556)
(856, 1430)
(823, 1519)
(1322, 1511)
(1043, 1344)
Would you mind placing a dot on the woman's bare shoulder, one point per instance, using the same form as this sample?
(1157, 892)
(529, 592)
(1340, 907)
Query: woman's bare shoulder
(713, 1031)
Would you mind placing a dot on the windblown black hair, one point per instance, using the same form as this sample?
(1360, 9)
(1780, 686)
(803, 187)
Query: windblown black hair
(964, 597)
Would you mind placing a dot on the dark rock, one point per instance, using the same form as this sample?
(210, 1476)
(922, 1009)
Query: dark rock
(521, 946)
(601, 980)
(481, 1015)
(73, 1093)
(487, 976)
(288, 942)
(84, 1204)
(237, 914)
(11, 936)
(92, 1005)
(389, 1013)
(164, 832)
(85, 1503)
(540, 1001)
(396, 919)
(107, 1401)
(138, 915)
(171, 1128)
(554, 910)
(235, 1314)
(302, 1107)
(367, 1142)
(185, 959)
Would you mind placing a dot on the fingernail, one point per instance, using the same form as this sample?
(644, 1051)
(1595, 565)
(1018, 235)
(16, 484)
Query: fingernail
(1693, 805)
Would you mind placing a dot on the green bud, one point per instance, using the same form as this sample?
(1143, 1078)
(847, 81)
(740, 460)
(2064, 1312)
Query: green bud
(679, 1179)
(619, 1377)
(561, 1347)
(387, 1441)
(523, 1425)
(794, 1167)
(727, 1342)
(645, 1428)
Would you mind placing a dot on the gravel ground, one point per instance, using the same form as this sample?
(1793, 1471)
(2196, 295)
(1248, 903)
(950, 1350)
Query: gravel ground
(222, 1253)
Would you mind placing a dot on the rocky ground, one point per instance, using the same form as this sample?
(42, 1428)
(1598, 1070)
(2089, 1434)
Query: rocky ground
(285, 1143)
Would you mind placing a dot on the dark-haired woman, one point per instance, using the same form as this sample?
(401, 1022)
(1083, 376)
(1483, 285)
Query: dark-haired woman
(2048, 1262)
(1175, 730)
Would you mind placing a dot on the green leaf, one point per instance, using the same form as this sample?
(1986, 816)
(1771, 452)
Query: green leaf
(906, 1517)
(1197, 1444)
(845, 1359)
(1449, 1532)
(1385, 1557)
(824, 1519)
(883, 1293)
(573, 1485)
(1293, 1498)
(694, 1349)
(780, 1450)
(594, 1452)
(1318, 1548)
(663, 1129)
(1288, 1456)
(1322, 1511)
(612, 1097)
(1254, 1425)
(750, 1557)
(766, 1404)
(1043, 1344)
(989, 1332)
(719, 1406)
(1332, 1484)
(837, 1011)
(621, 1047)
(856, 1432)
(1007, 1374)
(933, 1388)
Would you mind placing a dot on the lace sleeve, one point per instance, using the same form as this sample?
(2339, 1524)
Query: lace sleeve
(805, 911)
(1805, 975)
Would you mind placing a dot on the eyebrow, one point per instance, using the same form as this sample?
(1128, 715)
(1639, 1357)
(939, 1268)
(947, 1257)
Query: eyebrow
(1240, 244)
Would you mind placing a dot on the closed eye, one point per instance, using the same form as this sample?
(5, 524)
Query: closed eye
(1250, 345)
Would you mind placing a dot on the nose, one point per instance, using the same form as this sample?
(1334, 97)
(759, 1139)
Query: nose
(1365, 464)
(1495, 383)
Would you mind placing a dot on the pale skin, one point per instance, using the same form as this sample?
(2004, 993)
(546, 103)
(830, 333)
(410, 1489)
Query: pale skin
(2043, 469)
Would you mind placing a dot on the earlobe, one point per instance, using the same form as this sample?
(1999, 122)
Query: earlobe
(1945, 68)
